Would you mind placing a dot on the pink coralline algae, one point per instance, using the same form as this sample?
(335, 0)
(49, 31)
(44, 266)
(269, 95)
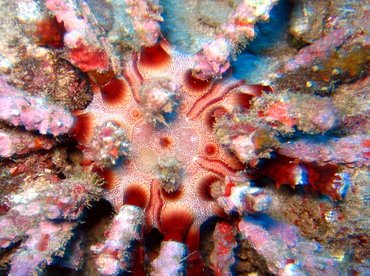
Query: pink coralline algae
(109, 143)
(135, 24)
(123, 153)
(241, 197)
(34, 113)
(171, 259)
(318, 50)
(214, 59)
(259, 133)
(116, 255)
(286, 252)
(145, 16)
(222, 256)
(18, 142)
(84, 48)
(351, 150)
(42, 220)
(287, 112)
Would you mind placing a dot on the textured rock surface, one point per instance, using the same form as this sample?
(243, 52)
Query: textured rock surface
(253, 118)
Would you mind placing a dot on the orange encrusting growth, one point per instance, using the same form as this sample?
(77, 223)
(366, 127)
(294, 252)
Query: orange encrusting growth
(88, 58)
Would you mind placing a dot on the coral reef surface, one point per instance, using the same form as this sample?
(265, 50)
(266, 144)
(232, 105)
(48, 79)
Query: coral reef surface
(184, 137)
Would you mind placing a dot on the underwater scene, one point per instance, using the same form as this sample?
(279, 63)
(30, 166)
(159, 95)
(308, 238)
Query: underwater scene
(174, 137)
